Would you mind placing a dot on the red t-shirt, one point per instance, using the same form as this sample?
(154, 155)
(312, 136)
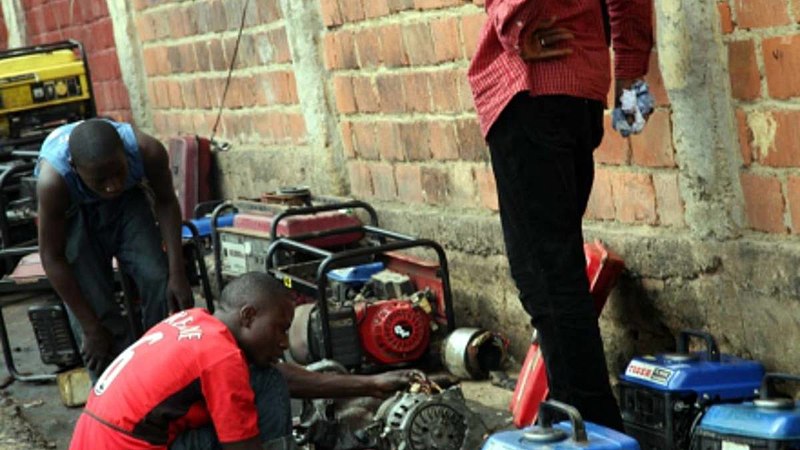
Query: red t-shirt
(185, 372)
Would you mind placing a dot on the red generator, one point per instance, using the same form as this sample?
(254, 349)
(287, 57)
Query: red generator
(603, 267)
(372, 307)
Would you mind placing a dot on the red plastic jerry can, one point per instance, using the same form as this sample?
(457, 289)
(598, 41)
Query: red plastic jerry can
(603, 267)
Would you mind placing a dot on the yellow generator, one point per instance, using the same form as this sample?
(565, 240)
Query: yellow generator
(41, 88)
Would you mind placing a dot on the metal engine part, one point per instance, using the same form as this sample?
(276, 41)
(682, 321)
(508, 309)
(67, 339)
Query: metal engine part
(471, 353)
(420, 421)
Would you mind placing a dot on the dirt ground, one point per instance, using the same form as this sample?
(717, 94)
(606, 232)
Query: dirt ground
(32, 416)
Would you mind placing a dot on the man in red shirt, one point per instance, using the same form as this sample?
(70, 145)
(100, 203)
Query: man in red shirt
(539, 77)
(186, 383)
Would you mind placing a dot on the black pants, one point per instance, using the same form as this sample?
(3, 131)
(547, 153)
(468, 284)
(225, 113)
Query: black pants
(542, 159)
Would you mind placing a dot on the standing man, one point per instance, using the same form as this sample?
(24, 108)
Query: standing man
(540, 77)
(92, 208)
(202, 381)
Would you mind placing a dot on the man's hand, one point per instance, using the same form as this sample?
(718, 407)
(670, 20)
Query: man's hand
(179, 293)
(539, 42)
(96, 349)
(388, 383)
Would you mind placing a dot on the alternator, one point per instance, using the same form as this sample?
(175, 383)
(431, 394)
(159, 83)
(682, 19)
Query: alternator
(418, 421)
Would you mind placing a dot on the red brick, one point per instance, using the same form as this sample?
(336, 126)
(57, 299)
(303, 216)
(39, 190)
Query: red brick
(217, 55)
(782, 64)
(383, 181)
(743, 68)
(655, 82)
(388, 138)
(393, 50)
(471, 31)
(601, 200)
(417, 38)
(280, 46)
(785, 151)
(761, 13)
(360, 179)
(668, 199)
(614, 149)
(150, 61)
(415, 140)
(390, 93)
(745, 137)
(472, 146)
(400, 5)
(340, 50)
(462, 188)
(297, 124)
(188, 94)
(188, 57)
(268, 11)
(444, 87)
(346, 130)
(793, 198)
(634, 198)
(176, 23)
(175, 96)
(376, 8)
(487, 187)
(409, 182)
(368, 46)
(465, 92)
(352, 10)
(435, 4)
(444, 144)
(344, 95)
(364, 137)
(365, 95)
(331, 15)
(446, 42)
(763, 202)
(653, 147)
(417, 93)
(435, 185)
(725, 18)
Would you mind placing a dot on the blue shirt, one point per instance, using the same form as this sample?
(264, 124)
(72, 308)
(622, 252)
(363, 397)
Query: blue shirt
(55, 150)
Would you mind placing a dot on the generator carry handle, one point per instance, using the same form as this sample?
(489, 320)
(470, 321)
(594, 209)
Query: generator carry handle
(768, 382)
(548, 410)
(336, 206)
(712, 350)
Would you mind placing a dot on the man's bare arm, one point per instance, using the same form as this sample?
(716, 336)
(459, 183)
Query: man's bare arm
(53, 202)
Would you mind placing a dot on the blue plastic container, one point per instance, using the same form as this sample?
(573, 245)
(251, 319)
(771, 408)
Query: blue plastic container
(662, 396)
(572, 434)
(766, 423)
(203, 225)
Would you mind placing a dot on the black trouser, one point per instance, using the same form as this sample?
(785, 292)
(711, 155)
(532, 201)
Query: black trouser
(542, 159)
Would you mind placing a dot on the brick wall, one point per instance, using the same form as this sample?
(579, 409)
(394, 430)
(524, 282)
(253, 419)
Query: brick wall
(404, 106)
(88, 22)
(187, 48)
(764, 58)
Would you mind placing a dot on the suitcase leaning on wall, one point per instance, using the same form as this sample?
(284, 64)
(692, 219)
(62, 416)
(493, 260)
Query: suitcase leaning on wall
(548, 435)
(603, 268)
(190, 163)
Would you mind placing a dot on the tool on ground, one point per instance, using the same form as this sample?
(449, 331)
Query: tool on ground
(473, 353)
(663, 396)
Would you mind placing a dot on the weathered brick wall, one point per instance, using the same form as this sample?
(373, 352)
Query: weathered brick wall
(764, 58)
(187, 48)
(88, 22)
(405, 108)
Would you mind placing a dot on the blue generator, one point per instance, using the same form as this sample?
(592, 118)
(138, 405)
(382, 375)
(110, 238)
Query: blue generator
(662, 397)
(567, 435)
(766, 423)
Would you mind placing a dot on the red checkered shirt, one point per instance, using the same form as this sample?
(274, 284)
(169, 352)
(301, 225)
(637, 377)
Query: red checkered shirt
(497, 72)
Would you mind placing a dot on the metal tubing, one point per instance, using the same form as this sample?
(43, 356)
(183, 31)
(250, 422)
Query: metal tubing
(215, 243)
(201, 265)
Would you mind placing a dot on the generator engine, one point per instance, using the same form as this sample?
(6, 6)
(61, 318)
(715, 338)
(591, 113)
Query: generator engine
(381, 323)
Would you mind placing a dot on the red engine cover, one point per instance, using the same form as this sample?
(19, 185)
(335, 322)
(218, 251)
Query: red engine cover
(393, 331)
